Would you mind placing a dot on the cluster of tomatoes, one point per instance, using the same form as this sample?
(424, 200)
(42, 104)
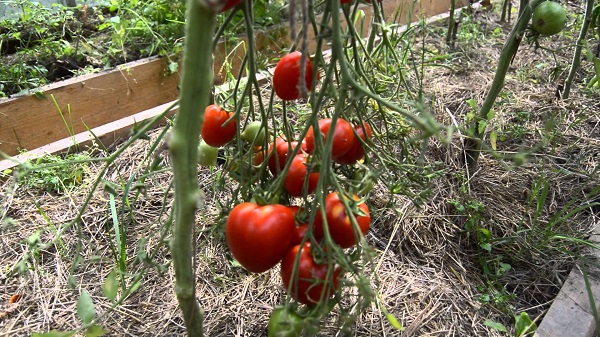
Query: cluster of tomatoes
(262, 236)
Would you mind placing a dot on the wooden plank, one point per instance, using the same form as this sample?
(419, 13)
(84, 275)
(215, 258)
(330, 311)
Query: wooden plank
(94, 100)
(571, 312)
(108, 134)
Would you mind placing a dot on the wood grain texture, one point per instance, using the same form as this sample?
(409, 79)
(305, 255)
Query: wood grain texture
(30, 122)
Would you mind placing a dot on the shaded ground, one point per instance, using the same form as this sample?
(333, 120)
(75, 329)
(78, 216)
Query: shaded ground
(429, 266)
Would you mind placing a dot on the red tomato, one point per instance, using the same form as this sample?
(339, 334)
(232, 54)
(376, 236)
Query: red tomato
(213, 131)
(356, 151)
(259, 236)
(299, 234)
(345, 1)
(310, 282)
(296, 176)
(343, 137)
(338, 222)
(230, 4)
(287, 76)
(277, 160)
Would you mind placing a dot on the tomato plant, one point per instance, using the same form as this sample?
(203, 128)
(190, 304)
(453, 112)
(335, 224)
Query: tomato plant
(343, 137)
(338, 221)
(310, 283)
(286, 77)
(213, 131)
(259, 236)
(356, 151)
(207, 155)
(284, 323)
(278, 152)
(549, 18)
(297, 175)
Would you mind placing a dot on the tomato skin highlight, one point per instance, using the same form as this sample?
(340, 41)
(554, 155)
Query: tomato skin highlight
(259, 236)
(309, 283)
(339, 223)
(297, 175)
(213, 132)
(287, 76)
(356, 151)
(343, 137)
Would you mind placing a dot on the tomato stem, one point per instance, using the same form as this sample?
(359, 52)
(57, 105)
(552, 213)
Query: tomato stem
(473, 144)
(196, 84)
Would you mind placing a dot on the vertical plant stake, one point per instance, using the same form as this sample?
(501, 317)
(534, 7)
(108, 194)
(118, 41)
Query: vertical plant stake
(196, 83)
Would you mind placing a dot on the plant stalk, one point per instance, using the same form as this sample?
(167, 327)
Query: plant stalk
(587, 19)
(196, 84)
(450, 21)
(473, 144)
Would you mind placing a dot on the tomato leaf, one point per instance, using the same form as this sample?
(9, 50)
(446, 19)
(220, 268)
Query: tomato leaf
(481, 126)
(54, 333)
(110, 286)
(493, 139)
(394, 322)
(495, 325)
(85, 307)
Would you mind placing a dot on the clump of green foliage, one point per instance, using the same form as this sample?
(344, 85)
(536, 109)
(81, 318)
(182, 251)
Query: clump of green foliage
(54, 173)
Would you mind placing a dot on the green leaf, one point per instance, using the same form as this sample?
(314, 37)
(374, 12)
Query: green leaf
(481, 127)
(85, 307)
(394, 322)
(524, 325)
(493, 139)
(486, 246)
(472, 103)
(495, 326)
(54, 333)
(491, 114)
(111, 286)
(95, 331)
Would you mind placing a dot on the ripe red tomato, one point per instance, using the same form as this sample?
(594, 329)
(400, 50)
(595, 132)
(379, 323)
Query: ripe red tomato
(278, 158)
(338, 222)
(259, 236)
(310, 282)
(345, 1)
(213, 131)
(343, 137)
(230, 4)
(287, 76)
(356, 151)
(296, 176)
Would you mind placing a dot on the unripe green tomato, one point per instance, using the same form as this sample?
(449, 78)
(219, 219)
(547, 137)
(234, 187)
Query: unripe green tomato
(549, 18)
(254, 133)
(207, 155)
(284, 323)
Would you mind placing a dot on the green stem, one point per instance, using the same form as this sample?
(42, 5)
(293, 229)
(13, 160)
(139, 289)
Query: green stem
(451, 21)
(587, 19)
(473, 144)
(196, 84)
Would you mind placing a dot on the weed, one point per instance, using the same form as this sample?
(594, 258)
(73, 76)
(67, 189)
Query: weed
(53, 173)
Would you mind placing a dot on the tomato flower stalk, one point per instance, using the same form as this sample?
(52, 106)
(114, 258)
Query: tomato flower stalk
(183, 145)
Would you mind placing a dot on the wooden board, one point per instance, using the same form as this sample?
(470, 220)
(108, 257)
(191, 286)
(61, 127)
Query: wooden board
(92, 100)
